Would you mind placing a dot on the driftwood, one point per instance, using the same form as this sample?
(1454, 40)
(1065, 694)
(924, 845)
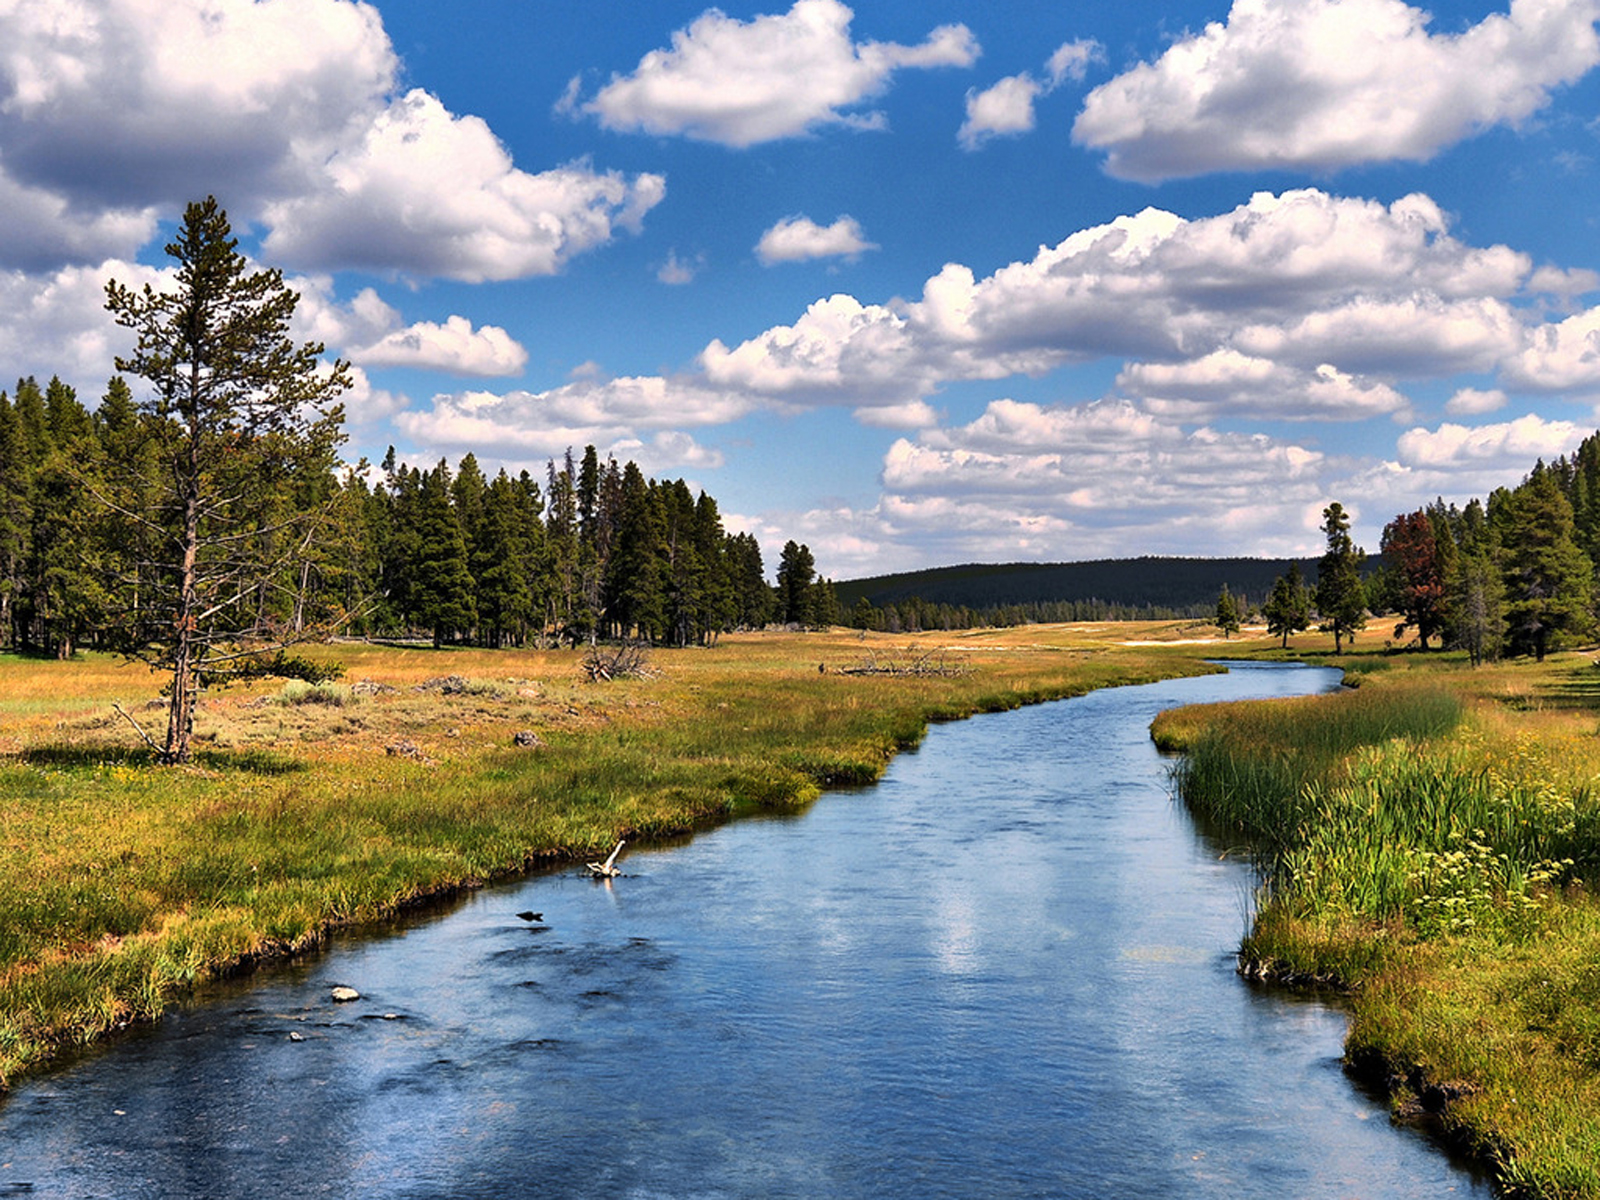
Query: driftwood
(929, 663)
(627, 661)
(607, 869)
(137, 728)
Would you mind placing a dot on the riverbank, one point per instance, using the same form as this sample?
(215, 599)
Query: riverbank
(122, 884)
(1430, 841)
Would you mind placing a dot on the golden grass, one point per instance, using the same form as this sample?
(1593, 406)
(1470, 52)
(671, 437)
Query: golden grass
(122, 883)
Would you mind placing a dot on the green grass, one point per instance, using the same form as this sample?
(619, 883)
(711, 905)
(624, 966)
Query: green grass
(122, 883)
(1424, 843)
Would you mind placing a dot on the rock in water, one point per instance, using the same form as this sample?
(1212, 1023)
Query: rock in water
(343, 995)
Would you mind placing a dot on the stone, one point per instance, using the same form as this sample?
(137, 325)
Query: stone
(343, 995)
(527, 737)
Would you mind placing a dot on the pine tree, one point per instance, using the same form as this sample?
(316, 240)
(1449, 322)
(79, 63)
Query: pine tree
(15, 474)
(1288, 608)
(1341, 602)
(442, 589)
(796, 570)
(1227, 615)
(753, 599)
(236, 410)
(636, 589)
(1548, 580)
(500, 566)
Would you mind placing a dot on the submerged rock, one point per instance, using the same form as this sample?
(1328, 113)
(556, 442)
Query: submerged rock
(343, 995)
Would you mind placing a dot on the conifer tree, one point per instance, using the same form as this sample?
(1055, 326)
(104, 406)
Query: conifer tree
(1548, 580)
(442, 588)
(236, 410)
(796, 571)
(500, 566)
(1227, 615)
(1341, 602)
(636, 588)
(1288, 608)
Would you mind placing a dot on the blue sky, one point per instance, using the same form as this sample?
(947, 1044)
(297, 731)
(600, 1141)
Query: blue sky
(916, 284)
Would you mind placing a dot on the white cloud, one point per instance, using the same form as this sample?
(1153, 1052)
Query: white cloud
(528, 426)
(1559, 356)
(426, 192)
(368, 405)
(455, 347)
(114, 112)
(1005, 108)
(1419, 334)
(1336, 296)
(1228, 383)
(1325, 84)
(776, 76)
(841, 351)
(1508, 449)
(1032, 481)
(676, 272)
(799, 239)
(56, 323)
(1472, 402)
(1071, 60)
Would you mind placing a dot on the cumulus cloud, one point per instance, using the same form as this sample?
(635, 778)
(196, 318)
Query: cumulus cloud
(113, 113)
(1508, 449)
(56, 322)
(840, 351)
(1002, 109)
(455, 347)
(1472, 402)
(1228, 383)
(1418, 334)
(776, 76)
(1326, 84)
(531, 426)
(799, 239)
(430, 193)
(1559, 356)
(1300, 304)
(1006, 108)
(1106, 478)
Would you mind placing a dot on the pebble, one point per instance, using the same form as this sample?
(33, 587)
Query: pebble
(343, 995)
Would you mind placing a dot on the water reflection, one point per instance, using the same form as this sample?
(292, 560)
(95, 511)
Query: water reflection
(1003, 972)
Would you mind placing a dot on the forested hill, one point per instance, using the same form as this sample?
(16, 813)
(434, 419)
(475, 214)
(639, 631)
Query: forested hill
(1148, 582)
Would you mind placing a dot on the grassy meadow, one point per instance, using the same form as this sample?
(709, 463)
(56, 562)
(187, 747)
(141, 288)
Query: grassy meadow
(123, 883)
(1429, 843)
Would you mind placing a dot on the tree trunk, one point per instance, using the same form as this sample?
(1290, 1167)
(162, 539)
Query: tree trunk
(180, 712)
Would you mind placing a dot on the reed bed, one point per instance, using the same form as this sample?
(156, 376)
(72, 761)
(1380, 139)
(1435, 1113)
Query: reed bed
(1425, 843)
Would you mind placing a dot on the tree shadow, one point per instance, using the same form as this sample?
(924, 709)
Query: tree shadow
(251, 762)
(1579, 688)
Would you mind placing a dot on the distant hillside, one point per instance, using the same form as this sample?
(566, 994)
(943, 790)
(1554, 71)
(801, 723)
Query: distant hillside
(1162, 582)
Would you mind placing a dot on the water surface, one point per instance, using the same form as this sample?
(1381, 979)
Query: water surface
(1006, 971)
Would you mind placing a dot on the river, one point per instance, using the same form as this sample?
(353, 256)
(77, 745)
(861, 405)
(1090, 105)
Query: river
(1004, 971)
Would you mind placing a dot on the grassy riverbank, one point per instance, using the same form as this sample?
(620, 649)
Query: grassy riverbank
(123, 883)
(1430, 842)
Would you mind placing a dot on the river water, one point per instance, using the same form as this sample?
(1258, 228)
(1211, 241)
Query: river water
(1005, 971)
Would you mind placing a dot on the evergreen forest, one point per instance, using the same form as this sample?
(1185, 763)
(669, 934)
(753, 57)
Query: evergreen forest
(591, 550)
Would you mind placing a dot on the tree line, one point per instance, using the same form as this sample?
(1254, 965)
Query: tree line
(208, 524)
(1513, 574)
(590, 550)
